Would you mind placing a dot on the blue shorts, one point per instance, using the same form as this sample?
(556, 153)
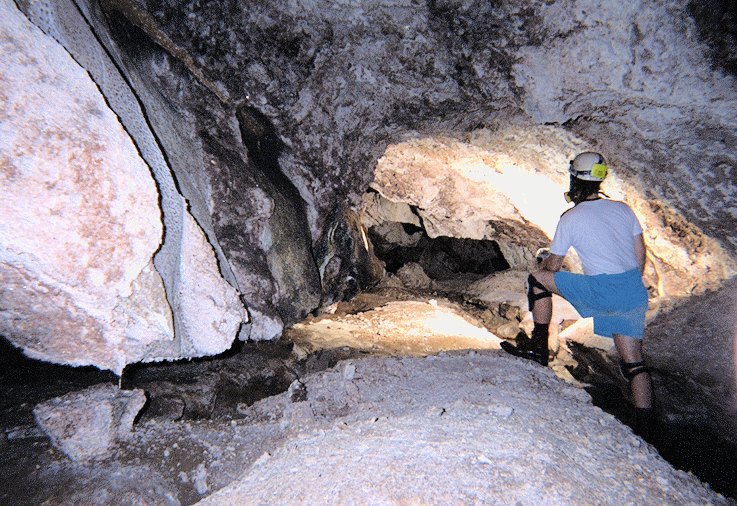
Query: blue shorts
(617, 302)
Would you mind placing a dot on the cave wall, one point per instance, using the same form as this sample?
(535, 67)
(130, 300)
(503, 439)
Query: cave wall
(692, 352)
(648, 95)
(264, 124)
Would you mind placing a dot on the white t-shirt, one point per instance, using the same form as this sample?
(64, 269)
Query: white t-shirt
(602, 232)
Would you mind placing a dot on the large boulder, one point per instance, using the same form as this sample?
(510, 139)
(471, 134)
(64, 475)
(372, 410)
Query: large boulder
(80, 219)
(87, 425)
(86, 278)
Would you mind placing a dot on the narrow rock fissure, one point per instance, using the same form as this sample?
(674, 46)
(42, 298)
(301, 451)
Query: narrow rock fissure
(691, 447)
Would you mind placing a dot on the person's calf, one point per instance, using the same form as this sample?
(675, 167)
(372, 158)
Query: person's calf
(638, 376)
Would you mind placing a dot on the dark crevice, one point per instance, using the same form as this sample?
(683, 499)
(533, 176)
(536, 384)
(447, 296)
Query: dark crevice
(441, 258)
(690, 447)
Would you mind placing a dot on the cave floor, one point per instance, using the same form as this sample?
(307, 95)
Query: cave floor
(210, 420)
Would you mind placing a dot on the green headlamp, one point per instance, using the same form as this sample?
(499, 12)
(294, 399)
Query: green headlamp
(599, 171)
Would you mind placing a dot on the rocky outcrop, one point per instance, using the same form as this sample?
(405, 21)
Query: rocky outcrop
(80, 219)
(692, 350)
(464, 428)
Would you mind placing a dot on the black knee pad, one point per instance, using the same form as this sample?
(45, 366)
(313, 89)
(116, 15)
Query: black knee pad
(532, 282)
(632, 369)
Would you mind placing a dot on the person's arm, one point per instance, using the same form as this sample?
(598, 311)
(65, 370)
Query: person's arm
(552, 263)
(640, 252)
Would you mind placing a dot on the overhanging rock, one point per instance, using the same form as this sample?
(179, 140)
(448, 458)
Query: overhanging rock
(81, 224)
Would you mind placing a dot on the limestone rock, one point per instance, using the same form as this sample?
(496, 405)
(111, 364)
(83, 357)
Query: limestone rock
(653, 75)
(210, 309)
(413, 276)
(692, 350)
(504, 185)
(377, 210)
(79, 215)
(462, 117)
(155, 317)
(415, 327)
(466, 428)
(225, 157)
(87, 424)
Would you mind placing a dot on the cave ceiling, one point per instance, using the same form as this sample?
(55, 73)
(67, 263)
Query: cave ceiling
(340, 82)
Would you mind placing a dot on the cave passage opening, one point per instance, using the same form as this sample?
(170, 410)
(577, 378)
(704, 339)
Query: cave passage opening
(441, 258)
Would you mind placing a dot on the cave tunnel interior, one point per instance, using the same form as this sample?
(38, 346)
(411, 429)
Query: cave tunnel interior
(441, 258)
(25, 382)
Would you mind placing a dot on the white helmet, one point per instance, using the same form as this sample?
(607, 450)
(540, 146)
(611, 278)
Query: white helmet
(589, 166)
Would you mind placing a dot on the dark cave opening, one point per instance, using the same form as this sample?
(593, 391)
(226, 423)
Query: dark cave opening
(441, 258)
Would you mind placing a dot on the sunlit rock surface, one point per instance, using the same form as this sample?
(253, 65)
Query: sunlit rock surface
(409, 326)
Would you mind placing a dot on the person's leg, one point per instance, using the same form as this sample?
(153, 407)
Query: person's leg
(542, 285)
(542, 310)
(635, 371)
(630, 351)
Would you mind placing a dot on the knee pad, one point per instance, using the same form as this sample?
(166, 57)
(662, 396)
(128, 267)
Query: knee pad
(531, 295)
(632, 369)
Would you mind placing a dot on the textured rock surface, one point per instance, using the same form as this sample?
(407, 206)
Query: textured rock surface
(463, 429)
(85, 425)
(225, 159)
(507, 186)
(80, 217)
(333, 70)
(157, 319)
(622, 77)
(647, 95)
(695, 359)
(464, 425)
